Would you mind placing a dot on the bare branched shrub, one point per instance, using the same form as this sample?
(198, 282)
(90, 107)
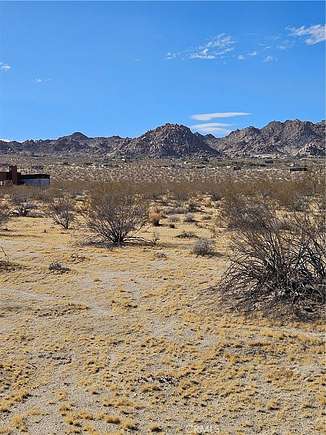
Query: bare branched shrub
(22, 201)
(4, 214)
(241, 212)
(62, 211)
(115, 218)
(203, 247)
(278, 271)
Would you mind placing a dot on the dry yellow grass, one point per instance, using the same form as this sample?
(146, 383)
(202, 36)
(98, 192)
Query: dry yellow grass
(130, 341)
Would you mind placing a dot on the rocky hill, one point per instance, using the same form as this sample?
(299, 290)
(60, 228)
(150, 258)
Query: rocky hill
(169, 140)
(293, 138)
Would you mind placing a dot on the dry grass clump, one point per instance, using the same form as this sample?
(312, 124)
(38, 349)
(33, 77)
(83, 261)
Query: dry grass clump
(155, 216)
(278, 266)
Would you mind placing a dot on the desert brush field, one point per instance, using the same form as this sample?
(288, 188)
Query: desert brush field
(133, 339)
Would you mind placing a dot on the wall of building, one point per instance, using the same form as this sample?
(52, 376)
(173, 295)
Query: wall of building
(36, 181)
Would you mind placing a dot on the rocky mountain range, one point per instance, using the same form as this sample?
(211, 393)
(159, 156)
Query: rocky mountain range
(292, 138)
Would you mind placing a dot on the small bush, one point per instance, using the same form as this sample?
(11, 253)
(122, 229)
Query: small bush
(4, 214)
(189, 218)
(173, 219)
(21, 200)
(187, 235)
(58, 267)
(203, 247)
(62, 211)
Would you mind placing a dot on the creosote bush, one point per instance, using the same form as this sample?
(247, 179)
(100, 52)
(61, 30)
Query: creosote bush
(278, 267)
(116, 217)
(62, 211)
(242, 212)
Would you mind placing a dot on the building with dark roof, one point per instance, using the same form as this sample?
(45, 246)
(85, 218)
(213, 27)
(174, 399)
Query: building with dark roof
(14, 177)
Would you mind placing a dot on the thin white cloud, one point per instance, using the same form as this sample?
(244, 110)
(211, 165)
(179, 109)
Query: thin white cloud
(241, 57)
(217, 47)
(312, 34)
(269, 59)
(253, 53)
(41, 80)
(4, 67)
(210, 116)
(5, 140)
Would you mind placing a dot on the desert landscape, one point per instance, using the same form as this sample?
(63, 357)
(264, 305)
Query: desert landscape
(134, 338)
(162, 217)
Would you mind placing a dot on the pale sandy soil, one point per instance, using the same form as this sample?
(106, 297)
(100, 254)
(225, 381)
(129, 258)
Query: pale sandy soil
(131, 342)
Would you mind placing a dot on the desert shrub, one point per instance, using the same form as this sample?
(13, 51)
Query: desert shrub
(4, 213)
(173, 219)
(155, 216)
(189, 218)
(239, 211)
(62, 211)
(22, 201)
(278, 271)
(115, 218)
(58, 267)
(175, 210)
(207, 217)
(203, 247)
(187, 235)
(192, 206)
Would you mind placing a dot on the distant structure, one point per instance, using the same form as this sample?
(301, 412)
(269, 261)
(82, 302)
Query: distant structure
(17, 178)
(298, 169)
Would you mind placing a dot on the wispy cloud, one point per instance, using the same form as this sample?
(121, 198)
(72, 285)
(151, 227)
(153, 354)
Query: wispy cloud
(215, 48)
(4, 67)
(312, 35)
(217, 115)
(39, 81)
(269, 59)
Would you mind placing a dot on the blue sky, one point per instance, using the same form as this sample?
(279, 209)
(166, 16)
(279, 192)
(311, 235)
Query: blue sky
(107, 68)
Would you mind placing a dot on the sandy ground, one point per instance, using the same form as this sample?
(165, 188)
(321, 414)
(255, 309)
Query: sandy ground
(130, 340)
